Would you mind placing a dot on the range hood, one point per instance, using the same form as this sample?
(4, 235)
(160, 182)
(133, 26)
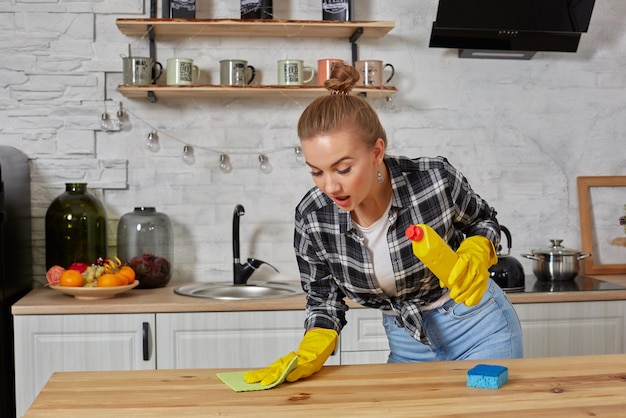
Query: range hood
(515, 29)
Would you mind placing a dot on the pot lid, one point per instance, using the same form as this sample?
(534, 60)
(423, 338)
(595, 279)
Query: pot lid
(556, 249)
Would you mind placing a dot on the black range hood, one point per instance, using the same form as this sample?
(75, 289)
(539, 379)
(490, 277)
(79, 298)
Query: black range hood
(510, 28)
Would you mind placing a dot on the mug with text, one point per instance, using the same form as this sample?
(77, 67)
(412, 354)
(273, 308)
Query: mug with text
(140, 70)
(182, 71)
(371, 72)
(325, 67)
(291, 73)
(236, 73)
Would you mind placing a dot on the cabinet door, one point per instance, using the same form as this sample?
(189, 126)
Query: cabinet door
(227, 339)
(363, 340)
(45, 344)
(573, 328)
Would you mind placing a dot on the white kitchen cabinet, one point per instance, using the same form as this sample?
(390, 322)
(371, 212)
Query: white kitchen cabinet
(573, 328)
(45, 344)
(227, 339)
(549, 330)
(363, 339)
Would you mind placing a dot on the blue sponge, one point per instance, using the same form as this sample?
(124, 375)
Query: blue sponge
(487, 376)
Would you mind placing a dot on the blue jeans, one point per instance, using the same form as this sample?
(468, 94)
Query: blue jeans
(489, 330)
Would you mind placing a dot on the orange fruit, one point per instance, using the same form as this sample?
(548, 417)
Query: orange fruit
(110, 280)
(128, 272)
(71, 278)
(123, 278)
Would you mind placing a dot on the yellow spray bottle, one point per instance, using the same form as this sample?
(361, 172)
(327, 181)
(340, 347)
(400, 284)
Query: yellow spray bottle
(432, 250)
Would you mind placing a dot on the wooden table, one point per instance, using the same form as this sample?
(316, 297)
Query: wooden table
(546, 387)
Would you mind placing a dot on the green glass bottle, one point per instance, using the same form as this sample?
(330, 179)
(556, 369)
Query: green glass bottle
(76, 228)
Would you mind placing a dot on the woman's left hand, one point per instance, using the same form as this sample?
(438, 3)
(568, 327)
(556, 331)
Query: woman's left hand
(469, 277)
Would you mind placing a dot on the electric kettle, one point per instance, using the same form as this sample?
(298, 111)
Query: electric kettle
(508, 273)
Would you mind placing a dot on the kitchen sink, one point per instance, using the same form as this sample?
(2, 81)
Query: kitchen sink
(229, 291)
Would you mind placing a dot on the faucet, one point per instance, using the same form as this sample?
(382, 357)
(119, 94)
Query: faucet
(242, 272)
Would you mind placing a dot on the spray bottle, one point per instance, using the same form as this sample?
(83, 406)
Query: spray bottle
(432, 250)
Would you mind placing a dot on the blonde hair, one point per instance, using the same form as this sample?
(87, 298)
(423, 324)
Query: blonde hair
(341, 110)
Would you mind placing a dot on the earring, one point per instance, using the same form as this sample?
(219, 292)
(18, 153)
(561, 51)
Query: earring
(379, 176)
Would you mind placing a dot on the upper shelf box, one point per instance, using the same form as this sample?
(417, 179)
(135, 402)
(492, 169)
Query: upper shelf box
(255, 28)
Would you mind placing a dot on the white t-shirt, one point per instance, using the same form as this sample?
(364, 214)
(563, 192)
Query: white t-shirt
(375, 239)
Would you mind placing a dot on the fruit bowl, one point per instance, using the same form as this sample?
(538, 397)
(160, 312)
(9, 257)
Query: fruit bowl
(92, 293)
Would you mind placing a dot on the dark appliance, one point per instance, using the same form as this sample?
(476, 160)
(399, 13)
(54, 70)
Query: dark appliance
(508, 273)
(510, 28)
(15, 260)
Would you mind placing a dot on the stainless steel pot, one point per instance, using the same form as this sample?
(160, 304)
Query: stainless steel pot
(556, 263)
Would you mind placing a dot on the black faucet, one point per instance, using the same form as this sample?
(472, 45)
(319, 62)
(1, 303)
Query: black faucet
(242, 272)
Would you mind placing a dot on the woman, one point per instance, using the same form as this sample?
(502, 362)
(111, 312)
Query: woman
(350, 243)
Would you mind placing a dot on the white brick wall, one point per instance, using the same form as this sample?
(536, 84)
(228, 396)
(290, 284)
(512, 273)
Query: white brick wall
(521, 131)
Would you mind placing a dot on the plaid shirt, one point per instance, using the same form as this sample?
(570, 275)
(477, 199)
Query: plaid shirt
(335, 264)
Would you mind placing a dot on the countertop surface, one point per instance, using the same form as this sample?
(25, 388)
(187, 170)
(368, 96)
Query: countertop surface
(580, 386)
(45, 301)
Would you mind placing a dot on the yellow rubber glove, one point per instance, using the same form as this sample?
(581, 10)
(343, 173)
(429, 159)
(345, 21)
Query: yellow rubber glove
(315, 348)
(469, 277)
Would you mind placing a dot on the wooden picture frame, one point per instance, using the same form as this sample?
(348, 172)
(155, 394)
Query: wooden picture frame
(588, 233)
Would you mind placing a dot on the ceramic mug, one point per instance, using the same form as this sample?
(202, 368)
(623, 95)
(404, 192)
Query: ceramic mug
(371, 72)
(140, 70)
(236, 73)
(325, 67)
(291, 73)
(182, 71)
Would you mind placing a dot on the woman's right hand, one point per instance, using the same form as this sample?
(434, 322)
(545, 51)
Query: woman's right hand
(315, 348)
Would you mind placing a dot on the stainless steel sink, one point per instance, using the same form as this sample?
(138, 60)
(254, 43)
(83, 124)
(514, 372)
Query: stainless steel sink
(229, 291)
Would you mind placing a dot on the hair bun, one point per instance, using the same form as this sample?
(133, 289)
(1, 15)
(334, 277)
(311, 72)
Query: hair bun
(342, 79)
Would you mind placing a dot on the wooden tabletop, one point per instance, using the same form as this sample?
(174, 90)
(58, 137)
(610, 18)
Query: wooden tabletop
(581, 386)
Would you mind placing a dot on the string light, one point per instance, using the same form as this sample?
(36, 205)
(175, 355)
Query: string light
(108, 124)
(119, 122)
(299, 156)
(265, 165)
(105, 122)
(225, 164)
(153, 142)
(188, 157)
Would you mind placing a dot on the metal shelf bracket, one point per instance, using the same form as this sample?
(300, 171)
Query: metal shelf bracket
(353, 41)
(153, 7)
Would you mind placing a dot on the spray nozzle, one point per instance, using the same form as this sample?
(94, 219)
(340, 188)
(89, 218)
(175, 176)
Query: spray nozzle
(414, 233)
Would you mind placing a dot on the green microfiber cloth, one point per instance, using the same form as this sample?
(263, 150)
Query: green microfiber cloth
(236, 382)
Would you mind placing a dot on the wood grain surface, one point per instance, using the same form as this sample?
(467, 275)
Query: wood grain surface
(581, 386)
(45, 301)
(253, 90)
(254, 27)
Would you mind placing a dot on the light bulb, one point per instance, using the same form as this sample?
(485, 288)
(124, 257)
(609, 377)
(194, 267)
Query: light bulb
(153, 142)
(105, 122)
(265, 166)
(300, 156)
(119, 122)
(188, 157)
(225, 164)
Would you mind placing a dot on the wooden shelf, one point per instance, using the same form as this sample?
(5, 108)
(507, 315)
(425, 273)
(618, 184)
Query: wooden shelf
(251, 91)
(255, 28)
(351, 30)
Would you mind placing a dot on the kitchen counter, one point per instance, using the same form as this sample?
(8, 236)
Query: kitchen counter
(580, 386)
(45, 301)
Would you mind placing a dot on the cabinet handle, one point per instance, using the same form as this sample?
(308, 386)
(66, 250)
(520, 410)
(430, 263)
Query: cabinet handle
(146, 339)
